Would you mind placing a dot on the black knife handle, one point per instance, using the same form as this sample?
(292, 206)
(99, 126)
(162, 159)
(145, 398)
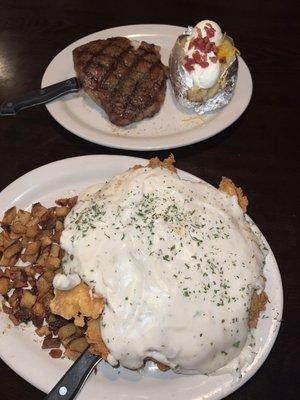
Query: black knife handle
(73, 380)
(41, 96)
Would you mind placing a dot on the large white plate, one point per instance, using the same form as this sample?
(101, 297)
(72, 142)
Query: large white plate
(21, 350)
(171, 127)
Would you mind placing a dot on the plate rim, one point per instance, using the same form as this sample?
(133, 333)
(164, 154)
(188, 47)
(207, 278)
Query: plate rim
(268, 346)
(127, 142)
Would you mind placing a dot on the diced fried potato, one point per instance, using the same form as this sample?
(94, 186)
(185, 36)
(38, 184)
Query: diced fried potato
(25, 241)
(13, 249)
(42, 331)
(62, 211)
(56, 236)
(54, 251)
(42, 260)
(8, 262)
(30, 271)
(17, 227)
(66, 331)
(46, 298)
(50, 342)
(38, 309)
(4, 285)
(9, 216)
(53, 263)
(69, 339)
(32, 248)
(28, 299)
(59, 226)
(2, 238)
(23, 217)
(32, 230)
(14, 236)
(48, 220)
(49, 276)
(43, 286)
(45, 241)
(79, 344)
(38, 210)
(72, 355)
(19, 279)
(31, 258)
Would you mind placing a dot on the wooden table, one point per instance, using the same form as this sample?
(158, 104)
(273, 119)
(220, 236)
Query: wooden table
(258, 152)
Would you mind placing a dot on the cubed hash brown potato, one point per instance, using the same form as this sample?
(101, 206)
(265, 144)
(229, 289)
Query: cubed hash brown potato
(54, 250)
(48, 220)
(45, 241)
(32, 230)
(79, 345)
(17, 227)
(38, 210)
(42, 260)
(13, 249)
(38, 309)
(72, 355)
(23, 217)
(31, 258)
(19, 278)
(53, 262)
(49, 276)
(4, 285)
(28, 299)
(8, 262)
(43, 286)
(66, 331)
(50, 342)
(32, 248)
(9, 216)
(42, 331)
(59, 226)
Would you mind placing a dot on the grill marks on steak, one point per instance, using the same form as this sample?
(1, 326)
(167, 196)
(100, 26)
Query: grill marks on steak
(128, 83)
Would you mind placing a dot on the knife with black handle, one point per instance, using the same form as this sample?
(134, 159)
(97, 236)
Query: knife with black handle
(74, 379)
(41, 96)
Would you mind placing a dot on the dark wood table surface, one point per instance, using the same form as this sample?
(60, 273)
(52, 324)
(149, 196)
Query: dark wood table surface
(260, 151)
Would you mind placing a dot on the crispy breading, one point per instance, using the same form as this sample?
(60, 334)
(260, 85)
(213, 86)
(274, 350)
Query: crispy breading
(155, 162)
(258, 304)
(76, 303)
(93, 337)
(226, 185)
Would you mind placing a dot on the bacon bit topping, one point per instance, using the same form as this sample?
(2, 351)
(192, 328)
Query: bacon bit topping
(210, 31)
(200, 59)
(202, 44)
(189, 64)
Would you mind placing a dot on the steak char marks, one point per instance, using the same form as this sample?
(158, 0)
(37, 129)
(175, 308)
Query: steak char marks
(129, 83)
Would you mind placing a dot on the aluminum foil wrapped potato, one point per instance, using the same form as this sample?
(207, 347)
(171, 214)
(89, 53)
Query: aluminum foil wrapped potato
(203, 68)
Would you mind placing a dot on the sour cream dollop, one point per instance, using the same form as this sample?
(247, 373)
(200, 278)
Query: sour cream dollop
(177, 263)
(202, 66)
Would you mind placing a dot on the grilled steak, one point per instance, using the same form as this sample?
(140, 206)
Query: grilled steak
(128, 83)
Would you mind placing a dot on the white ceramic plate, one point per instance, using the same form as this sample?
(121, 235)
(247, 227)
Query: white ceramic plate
(20, 348)
(171, 127)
